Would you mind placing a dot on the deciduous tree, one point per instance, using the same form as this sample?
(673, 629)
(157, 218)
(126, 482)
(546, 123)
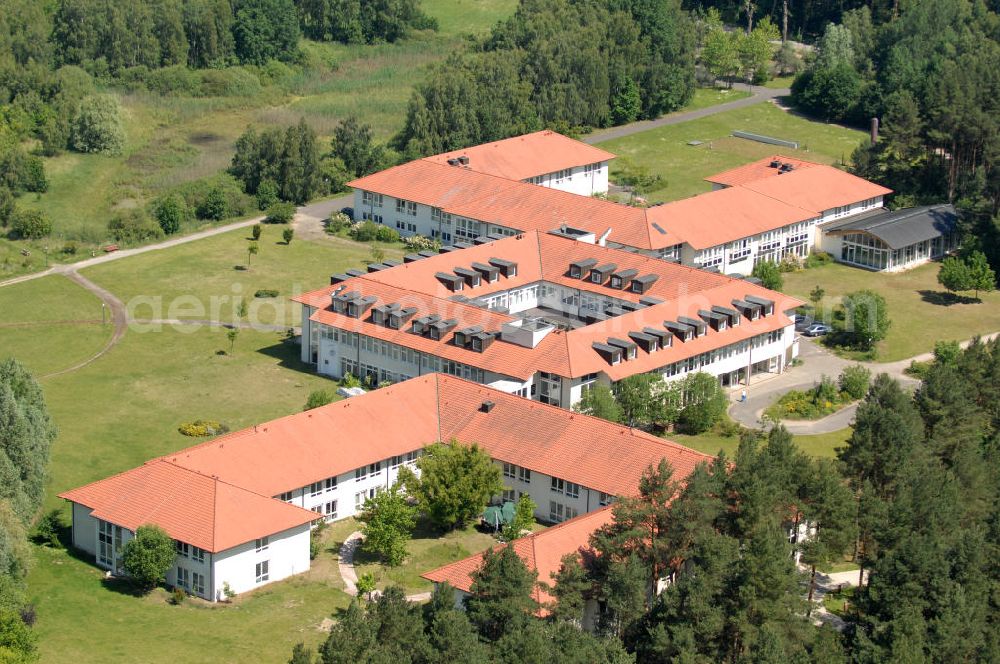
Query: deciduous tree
(149, 555)
(388, 520)
(456, 482)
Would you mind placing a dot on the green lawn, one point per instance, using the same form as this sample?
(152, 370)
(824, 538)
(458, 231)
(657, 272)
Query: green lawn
(705, 97)
(665, 150)
(915, 301)
(427, 550)
(50, 324)
(81, 619)
(780, 82)
(821, 445)
(198, 280)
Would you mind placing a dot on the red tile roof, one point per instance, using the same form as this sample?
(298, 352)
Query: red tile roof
(297, 450)
(543, 257)
(542, 551)
(756, 170)
(179, 493)
(722, 216)
(194, 508)
(818, 188)
(522, 157)
(589, 451)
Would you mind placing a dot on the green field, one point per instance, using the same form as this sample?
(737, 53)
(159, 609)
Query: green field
(185, 280)
(820, 445)
(176, 139)
(666, 150)
(915, 301)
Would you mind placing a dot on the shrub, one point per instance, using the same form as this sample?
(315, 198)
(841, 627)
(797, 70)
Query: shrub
(818, 258)
(178, 596)
(133, 227)
(287, 235)
(97, 126)
(231, 82)
(790, 263)
(280, 213)
(6, 206)
(176, 79)
(420, 243)
(854, 380)
(319, 398)
(769, 275)
(386, 234)
(170, 212)
(266, 292)
(315, 540)
(48, 528)
(214, 205)
(350, 380)
(149, 555)
(704, 403)
(364, 231)
(227, 591)
(267, 194)
(255, 232)
(31, 224)
(947, 352)
(918, 369)
(338, 222)
(201, 428)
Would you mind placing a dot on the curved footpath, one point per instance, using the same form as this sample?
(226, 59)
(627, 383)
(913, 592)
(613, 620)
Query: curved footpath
(345, 564)
(817, 361)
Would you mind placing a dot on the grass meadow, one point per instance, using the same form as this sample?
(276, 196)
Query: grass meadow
(916, 304)
(819, 445)
(667, 150)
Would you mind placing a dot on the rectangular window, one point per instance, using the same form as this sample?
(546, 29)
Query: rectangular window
(605, 499)
(330, 484)
(508, 494)
(360, 473)
(315, 489)
(262, 572)
(396, 461)
(261, 544)
(371, 199)
(558, 485)
(412, 456)
(183, 580)
(524, 474)
(572, 490)
(359, 500)
(197, 555)
(182, 548)
(509, 470)
(198, 583)
(286, 496)
(330, 510)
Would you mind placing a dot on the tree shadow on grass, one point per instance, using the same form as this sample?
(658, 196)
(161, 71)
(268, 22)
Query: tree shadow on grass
(945, 298)
(287, 354)
(124, 586)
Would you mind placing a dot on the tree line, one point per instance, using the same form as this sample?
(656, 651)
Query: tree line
(706, 569)
(26, 435)
(556, 63)
(930, 75)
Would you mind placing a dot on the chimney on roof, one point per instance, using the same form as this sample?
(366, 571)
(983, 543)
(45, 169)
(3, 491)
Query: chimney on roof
(486, 406)
(463, 160)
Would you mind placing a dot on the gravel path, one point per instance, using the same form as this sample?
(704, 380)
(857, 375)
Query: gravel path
(347, 572)
(757, 95)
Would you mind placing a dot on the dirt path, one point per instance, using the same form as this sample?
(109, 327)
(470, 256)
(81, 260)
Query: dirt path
(757, 95)
(345, 564)
(119, 319)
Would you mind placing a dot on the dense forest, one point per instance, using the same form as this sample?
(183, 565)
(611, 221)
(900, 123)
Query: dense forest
(913, 498)
(561, 64)
(932, 76)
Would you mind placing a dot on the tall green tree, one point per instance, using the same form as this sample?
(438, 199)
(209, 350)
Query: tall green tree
(388, 520)
(502, 594)
(354, 144)
(599, 401)
(456, 483)
(265, 30)
(866, 318)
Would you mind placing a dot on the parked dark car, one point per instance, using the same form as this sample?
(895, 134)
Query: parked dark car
(817, 330)
(802, 322)
(349, 211)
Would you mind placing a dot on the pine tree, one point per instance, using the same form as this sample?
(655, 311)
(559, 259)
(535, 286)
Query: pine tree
(502, 594)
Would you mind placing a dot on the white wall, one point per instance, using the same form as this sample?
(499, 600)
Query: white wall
(539, 489)
(287, 553)
(84, 529)
(578, 181)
